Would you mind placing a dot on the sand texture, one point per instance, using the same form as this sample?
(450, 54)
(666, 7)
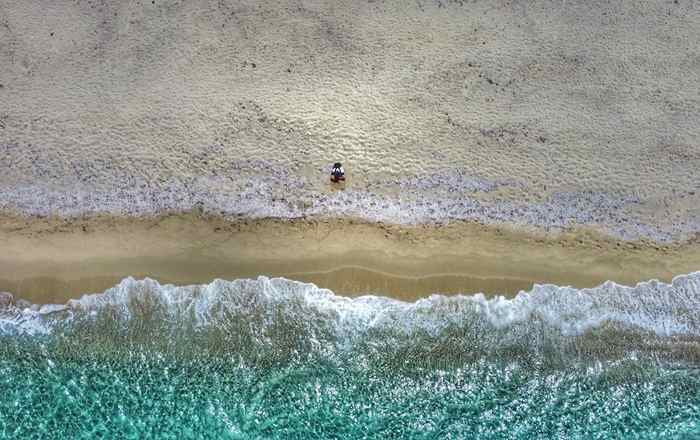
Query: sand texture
(545, 113)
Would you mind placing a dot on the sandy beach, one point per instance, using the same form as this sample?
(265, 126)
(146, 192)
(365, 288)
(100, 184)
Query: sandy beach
(542, 114)
(514, 252)
(486, 148)
(50, 260)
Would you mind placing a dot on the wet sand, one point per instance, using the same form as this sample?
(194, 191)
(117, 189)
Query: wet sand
(49, 260)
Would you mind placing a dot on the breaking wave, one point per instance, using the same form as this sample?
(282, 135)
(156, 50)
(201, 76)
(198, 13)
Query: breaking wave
(270, 313)
(275, 358)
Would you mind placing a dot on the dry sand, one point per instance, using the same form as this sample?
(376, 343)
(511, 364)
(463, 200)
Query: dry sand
(50, 260)
(163, 98)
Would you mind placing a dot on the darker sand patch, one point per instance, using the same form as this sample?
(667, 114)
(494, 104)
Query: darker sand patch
(52, 260)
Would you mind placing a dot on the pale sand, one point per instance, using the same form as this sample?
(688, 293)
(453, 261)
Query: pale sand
(52, 260)
(163, 99)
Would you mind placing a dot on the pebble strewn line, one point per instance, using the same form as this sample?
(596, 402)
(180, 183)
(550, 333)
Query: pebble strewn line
(434, 198)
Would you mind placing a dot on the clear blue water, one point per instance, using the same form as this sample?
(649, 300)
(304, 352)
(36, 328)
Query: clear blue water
(280, 359)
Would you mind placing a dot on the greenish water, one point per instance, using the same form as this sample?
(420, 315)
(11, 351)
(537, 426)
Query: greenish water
(280, 359)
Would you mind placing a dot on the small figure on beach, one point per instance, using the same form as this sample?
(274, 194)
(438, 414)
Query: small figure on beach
(337, 173)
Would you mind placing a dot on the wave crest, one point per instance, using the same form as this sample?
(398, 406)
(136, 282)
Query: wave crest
(665, 309)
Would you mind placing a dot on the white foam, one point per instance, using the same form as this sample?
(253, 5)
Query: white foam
(661, 308)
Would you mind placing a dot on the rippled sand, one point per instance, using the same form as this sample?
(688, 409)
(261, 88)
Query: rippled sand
(539, 113)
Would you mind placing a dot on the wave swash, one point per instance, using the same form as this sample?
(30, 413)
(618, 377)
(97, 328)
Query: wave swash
(275, 358)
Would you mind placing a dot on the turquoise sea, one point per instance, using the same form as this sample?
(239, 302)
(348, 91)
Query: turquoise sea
(275, 358)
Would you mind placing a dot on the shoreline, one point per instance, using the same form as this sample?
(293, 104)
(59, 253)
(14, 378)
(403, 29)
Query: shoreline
(432, 200)
(51, 260)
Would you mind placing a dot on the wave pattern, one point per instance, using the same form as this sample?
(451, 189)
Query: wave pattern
(656, 307)
(275, 358)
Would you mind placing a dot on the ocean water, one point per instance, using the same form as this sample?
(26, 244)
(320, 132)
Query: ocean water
(275, 358)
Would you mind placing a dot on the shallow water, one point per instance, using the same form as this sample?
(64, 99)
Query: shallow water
(274, 358)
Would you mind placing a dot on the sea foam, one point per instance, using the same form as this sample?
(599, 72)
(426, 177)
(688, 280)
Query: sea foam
(662, 309)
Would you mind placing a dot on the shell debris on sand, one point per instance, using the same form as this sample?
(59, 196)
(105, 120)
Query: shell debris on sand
(495, 112)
